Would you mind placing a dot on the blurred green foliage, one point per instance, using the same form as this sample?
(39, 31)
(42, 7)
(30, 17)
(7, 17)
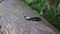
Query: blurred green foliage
(1, 1)
(41, 5)
(49, 9)
(58, 5)
(28, 1)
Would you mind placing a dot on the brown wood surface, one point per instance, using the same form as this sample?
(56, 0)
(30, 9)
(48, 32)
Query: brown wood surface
(12, 14)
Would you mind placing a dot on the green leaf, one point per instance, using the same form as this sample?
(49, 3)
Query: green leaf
(28, 1)
(42, 7)
(59, 5)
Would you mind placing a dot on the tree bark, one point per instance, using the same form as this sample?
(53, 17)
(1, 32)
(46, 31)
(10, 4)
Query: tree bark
(13, 21)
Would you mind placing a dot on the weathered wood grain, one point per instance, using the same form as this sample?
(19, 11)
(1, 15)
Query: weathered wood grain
(13, 22)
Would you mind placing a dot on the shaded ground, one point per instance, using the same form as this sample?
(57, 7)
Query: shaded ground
(12, 14)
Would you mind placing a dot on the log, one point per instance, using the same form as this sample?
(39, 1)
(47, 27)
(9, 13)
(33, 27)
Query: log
(13, 21)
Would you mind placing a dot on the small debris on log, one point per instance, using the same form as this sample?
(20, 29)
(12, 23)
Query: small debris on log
(32, 18)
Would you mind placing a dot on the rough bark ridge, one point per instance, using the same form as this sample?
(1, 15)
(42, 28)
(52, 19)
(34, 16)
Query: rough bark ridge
(12, 14)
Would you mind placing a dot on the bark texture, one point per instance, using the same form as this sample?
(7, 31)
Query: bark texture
(12, 14)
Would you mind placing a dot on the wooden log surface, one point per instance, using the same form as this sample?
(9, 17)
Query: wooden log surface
(12, 14)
